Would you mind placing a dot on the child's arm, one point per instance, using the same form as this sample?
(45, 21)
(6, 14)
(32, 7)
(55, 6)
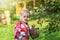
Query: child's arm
(17, 31)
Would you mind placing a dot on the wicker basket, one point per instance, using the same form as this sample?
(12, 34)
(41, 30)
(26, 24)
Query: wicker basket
(34, 33)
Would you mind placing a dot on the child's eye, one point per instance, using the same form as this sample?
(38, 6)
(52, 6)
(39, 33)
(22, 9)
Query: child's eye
(24, 16)
(28, 16)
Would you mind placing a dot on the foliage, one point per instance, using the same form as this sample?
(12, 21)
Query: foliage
(1, 10)
(53, 23)
(53, 6)
(50, 6)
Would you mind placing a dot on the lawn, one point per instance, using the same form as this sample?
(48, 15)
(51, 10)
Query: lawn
(7, 32)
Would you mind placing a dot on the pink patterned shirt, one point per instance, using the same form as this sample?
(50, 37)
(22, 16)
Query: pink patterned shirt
(21, 30)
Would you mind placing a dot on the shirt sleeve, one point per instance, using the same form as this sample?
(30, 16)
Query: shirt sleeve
(17, 31)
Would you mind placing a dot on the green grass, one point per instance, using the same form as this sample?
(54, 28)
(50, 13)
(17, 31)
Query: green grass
(7, 32)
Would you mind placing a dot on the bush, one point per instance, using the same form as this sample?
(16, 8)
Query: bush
(54, 23)
(53, 6)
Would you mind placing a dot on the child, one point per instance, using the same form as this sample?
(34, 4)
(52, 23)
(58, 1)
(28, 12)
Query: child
(22, 28)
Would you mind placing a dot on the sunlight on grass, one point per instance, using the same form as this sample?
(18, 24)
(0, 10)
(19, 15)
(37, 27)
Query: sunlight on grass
(7, 32)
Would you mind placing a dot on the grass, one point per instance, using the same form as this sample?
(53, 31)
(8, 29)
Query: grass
(7, 32)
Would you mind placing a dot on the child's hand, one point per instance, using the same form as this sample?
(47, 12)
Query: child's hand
(32, 26)
(24, 38)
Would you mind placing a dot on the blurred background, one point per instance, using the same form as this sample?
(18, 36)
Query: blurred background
(45, 14)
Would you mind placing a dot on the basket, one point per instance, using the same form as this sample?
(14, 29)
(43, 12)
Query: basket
(34, 33)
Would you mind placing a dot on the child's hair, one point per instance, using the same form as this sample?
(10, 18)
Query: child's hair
(24, 11)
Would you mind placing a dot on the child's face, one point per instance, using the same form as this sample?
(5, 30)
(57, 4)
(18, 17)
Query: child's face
(26, 17)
